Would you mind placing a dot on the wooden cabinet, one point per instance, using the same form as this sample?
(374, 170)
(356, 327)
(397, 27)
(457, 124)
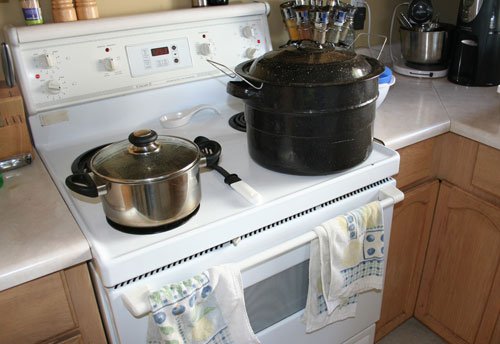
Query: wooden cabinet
(469, 165)
(411, 226)
(417, 163)
(459, 240)
(459, 294)
(410, 232)
(57, 308)
(486, 174)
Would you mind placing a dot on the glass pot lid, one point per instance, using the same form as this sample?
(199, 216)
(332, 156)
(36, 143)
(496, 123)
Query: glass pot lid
(310, 64)
(145, 157)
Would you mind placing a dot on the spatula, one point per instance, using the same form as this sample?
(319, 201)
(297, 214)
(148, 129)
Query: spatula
(211, 148)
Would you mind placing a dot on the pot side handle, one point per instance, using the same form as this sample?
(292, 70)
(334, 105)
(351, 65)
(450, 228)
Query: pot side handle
(242, 90)
(83, 184)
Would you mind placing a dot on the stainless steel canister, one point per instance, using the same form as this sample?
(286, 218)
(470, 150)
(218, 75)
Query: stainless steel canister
(424, 47)
(199, 3)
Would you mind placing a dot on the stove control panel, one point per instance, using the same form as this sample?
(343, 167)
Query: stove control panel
(158, 57)
(76, 66)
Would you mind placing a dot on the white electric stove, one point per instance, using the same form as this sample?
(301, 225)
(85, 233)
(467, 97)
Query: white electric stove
(91, 83)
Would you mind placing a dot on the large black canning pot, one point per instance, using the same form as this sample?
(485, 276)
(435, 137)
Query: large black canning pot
(309, 109)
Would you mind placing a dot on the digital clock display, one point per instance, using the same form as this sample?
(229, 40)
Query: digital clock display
(159, 51)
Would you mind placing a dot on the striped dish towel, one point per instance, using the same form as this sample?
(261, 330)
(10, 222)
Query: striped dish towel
(346, 259)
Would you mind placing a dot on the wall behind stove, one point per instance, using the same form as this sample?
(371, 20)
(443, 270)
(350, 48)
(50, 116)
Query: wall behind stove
(10, 13)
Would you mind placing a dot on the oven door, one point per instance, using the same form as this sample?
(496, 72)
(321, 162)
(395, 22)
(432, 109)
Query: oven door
(275, 291)
(275, 307)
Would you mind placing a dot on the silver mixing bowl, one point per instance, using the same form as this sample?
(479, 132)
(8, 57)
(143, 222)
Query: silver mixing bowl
(424, 47)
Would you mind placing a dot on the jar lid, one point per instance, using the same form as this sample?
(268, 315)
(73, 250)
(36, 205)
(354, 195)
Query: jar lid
(145, 157)
(309, 64)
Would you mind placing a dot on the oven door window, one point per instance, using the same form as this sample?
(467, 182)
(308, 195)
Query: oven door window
(277, 297)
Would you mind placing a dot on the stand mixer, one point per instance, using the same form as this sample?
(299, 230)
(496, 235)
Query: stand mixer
(424, 41)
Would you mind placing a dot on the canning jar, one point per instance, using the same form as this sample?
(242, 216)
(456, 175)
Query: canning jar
(31, 11)
(290, 19)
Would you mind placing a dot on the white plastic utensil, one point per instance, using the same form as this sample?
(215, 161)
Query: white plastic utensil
(178, 119)
(211, 149)
(245, 190)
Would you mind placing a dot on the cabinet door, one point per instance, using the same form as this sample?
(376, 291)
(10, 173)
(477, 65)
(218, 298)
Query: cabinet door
(35, 311)
(410, 232)
(461, 267)
(489, 331)
(57, 308)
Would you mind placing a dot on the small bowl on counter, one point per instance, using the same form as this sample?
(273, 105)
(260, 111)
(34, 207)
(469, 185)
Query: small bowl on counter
(385, 81)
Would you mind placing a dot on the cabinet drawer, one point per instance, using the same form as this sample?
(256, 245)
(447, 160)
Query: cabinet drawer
(486, 170)
(35, 311)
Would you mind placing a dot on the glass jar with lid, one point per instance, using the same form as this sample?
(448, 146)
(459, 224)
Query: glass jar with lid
(31, 11)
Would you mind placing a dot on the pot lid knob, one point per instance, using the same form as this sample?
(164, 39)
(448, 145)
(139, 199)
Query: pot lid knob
(143, 141)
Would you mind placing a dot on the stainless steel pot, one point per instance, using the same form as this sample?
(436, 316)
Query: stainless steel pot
(424, 47)
(145, 183)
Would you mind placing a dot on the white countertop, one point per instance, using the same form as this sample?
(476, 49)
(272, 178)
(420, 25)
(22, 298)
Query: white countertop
(474, 111)
(417, 109)
(39, 236)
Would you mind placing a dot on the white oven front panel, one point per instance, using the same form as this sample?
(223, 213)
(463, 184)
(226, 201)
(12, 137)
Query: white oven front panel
(274, 324)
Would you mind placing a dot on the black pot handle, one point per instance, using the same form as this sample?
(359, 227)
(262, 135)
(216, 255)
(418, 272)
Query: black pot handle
(242, 90)
(83, 184)
(211, 149)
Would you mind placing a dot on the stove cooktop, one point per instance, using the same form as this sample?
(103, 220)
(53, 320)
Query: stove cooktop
(223, 213)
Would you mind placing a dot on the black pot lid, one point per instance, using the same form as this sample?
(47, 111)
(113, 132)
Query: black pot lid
(310, 64)
(145, 157)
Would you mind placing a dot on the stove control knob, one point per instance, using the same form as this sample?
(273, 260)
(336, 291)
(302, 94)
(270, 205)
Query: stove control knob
(248, 32)
(110, 64)
(48, 60)
(206, 49)
(53, 87)
(250, 53)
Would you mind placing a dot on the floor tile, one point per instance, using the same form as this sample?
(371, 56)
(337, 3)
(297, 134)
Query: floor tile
(412, 332)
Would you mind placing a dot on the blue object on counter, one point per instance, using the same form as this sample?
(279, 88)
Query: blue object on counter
(385, 77)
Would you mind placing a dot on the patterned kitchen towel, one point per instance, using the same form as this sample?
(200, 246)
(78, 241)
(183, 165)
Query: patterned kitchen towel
(346, 259)
(206, 309)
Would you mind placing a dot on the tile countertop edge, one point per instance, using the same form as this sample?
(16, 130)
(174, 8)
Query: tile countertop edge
(417, 136)
(79, 254)
(412, 112)
(474, 111)
(33, 244)
(482, 126)
(418, 109)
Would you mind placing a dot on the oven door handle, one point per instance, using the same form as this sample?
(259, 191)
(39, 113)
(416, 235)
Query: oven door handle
(137, 300)
(388, 196)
